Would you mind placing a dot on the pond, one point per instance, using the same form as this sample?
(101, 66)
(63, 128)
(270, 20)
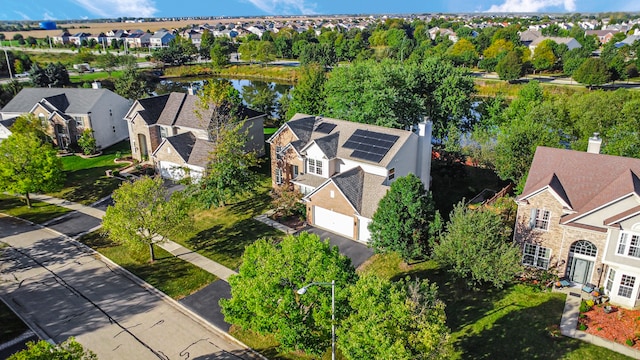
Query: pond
(256, 94)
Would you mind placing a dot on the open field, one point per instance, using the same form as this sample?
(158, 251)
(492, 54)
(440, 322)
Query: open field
(98, 27)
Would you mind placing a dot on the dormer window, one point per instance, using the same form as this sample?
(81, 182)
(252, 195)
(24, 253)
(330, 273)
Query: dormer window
(314, 166)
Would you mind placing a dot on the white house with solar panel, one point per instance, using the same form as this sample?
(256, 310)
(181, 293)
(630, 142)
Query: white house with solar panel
(344, 168)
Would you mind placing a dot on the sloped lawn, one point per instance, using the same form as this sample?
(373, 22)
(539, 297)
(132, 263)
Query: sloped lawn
(39, 213)
(86, 181)
(512, 323)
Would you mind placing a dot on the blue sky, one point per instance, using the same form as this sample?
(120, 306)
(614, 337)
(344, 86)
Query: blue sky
(88, 9)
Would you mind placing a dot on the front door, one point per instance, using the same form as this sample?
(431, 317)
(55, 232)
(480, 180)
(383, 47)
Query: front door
(580, 269)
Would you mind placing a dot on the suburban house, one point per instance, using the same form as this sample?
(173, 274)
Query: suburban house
(160, 39)
(67, 112)
(174, 133)
(569, 41)
(604, 36)
(344, 168)
(579, 214)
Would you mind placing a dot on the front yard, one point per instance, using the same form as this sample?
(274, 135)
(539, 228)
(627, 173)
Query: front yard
(86, 180)
(39, 213)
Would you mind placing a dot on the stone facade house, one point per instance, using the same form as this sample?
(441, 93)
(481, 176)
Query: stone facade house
(579, 215)
(67, 112)
(173, 132)
(344, 168)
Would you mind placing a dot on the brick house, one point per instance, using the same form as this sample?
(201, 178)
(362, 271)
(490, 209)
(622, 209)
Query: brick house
(65, 113)
(579, 214)
(344, 168)
(173, 132)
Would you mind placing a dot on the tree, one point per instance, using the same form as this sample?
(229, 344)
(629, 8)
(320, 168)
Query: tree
(463, 52)
(70, 349)
(543, 56)
(230, 171)
(593, 71)
(54, 75)
(28, 164)
(405, 220)
(307, 96)
(141, 214)
(263, 294)
(476, 247)
(131, 84)
(394, 320)
(108, 62)
(219, 53)
(286, 200)
(87, 142)
(510, 66)
(260, 96)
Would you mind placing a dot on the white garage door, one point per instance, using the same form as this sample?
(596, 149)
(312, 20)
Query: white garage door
(169, 170)
(333, 221)
(363, 230)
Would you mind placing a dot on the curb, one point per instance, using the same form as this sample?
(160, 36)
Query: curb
(175, 304)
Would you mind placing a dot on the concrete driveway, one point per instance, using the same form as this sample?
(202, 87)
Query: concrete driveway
(63, 289)
(357, 252)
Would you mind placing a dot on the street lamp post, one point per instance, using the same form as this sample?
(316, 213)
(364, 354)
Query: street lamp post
(303, 290)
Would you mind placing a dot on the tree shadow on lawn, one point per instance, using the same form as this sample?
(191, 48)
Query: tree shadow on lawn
(257, 204)
(520, 334)
(89, 185)
(226, 244)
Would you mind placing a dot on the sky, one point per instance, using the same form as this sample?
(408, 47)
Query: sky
(92, 9)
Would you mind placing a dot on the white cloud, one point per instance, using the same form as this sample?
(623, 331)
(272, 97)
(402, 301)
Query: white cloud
(532, 5)
(284, 6)
(47, 16)
(23, 15)
(116, 8)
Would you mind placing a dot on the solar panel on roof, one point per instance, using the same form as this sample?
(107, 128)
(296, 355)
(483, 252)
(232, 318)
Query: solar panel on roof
(325, 128)
(370, 145)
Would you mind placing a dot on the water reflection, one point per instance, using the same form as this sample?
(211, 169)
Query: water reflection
(256, 94)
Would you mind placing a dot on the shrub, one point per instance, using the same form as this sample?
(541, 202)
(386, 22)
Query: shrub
(87, 142)
(115, 173)
(629, 342)
(584, 306)
(118, 155)
(582, 327)
(590, 303)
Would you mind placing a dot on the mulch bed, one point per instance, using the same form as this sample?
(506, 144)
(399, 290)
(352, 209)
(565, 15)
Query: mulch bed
(617, 326)
(292, 222)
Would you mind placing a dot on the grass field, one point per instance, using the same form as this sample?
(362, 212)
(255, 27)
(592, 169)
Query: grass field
(86, 180)
(39, 213)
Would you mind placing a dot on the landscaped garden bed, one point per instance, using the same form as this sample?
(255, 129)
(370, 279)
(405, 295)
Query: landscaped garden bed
(618, 325)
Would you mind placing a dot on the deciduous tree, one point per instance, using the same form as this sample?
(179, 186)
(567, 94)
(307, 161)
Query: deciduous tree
(476, 247)
(143, 214)
(70, 349)
(28, 165)
(264, 298)
(510, 66)
(593, 71)
(405, 220)
(394, 320)
(307, 96)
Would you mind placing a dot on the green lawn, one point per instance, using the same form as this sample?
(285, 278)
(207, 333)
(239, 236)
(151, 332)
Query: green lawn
(86, 180)
(93, 76)
(10, 324)
(39, 213)
(221, 234)
(496, 324)
(169, 274)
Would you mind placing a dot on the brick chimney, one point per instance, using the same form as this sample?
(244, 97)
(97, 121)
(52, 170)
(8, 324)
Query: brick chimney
(594, 144)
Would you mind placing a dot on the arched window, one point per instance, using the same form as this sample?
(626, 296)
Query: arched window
(584, 247)
(43, 119)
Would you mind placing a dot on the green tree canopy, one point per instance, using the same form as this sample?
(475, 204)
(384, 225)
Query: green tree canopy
(543, 56)
(264, 298)
(54, 75)
(405, 220)
(593, 71)
(70, 349)
(510, 66)
(142, 216)
(28, 164)
(476, 247)
(394, 320)
(307, 96)
(463, 52)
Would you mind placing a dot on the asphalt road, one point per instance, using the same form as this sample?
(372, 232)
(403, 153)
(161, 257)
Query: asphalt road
(63, 289)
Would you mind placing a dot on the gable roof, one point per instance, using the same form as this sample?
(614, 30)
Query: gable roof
(306, 129)
(192, 150)
(152, 108)
(74, 101)
(587, 181)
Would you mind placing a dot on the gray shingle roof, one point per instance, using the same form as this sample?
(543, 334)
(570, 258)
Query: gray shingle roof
(200, 153)
(329, 144)
(350, 183)
(74, 101)
(171, 109)
(183, 143)
(152, 108)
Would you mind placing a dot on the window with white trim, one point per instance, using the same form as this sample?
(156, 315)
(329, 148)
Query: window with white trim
(314, 166)
(626, 285)
(278, 149)
(79, 121)
(278, 176)
(536, 255)
(629, 244)
(539, 219)
(164, 132)
(294, 170)
(609, 284)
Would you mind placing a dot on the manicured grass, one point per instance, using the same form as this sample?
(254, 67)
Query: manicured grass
(268, 131)
(267, 346)
(93, 76)
(39, 213)
(496, 324)
(221, 234)
(454, 182)
(10, 324)
(169, 274)
(86, 180)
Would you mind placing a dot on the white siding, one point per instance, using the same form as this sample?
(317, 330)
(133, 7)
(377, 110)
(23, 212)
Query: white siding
(333, 221)
(106, 119)
(346, 165)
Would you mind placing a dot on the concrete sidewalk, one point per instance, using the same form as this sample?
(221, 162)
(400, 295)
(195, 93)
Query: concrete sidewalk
(174, 248)
(569, 324)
